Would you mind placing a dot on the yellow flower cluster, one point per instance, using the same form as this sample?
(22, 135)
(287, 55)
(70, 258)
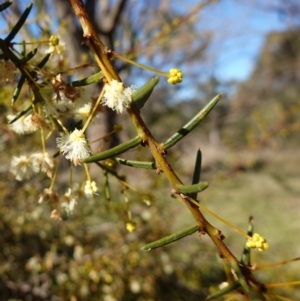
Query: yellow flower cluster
(130, 226)
(53, 41)
(257, 242)
(55, 45)
(175, 76)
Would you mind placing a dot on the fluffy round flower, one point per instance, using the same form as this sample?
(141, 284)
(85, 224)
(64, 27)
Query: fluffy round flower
(117, 97)
(26, 124)
(175, 76)
(90, 188)
(74, 146)
(22, 167)
(17, 126)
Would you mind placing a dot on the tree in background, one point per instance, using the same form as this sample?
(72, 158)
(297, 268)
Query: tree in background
(270, 95)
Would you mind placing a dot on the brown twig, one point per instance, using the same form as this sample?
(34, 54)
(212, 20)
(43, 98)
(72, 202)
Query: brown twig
(100, 52)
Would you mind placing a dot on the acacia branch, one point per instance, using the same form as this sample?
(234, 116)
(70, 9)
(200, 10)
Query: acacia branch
(158, 153)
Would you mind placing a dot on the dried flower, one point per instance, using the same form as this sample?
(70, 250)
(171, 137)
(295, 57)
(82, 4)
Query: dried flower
(117, 97)
(74, 146)
(43, 162)
(67, 98)
(59, 85)
(55, 214)
(49, 195)
(69, 202)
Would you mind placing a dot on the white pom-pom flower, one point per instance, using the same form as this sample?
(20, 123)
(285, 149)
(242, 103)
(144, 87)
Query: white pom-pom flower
(74, 146)
(22, 167)
(117, 97)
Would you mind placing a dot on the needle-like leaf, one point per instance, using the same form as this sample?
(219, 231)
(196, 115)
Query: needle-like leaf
(19, 24)
(137, 164)
(110, 153)
(197, 172)
(5, 5)
(95, 78)
(187, 128)
(246, 260)
(140, 96)
(230, 288)
(171, 238)
(192, 189)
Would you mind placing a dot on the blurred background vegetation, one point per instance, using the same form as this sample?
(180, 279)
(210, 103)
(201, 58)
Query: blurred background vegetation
(249, 143)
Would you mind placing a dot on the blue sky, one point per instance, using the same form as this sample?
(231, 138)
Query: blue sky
(240, 29)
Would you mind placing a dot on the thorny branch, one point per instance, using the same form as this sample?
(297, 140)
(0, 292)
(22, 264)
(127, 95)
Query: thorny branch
(244, 275)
